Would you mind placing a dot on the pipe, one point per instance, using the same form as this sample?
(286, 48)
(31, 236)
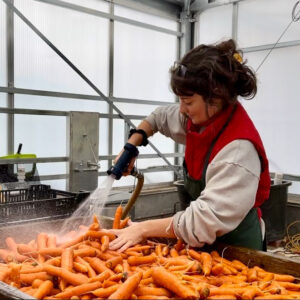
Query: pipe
(135, 193)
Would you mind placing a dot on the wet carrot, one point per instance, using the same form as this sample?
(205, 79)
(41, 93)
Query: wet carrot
(50, 251)
(252, 275)
(79, 290)
(225, 297)
(158, 250)
(24, 249)
(73, 242)
(51, 241)
(239, 265)
(101, 277)
(6, 255)
(80, 267)
(105, 292)
(90, 270)
(86, 251)
(275, 297)
(72, 278)
(98, 265)
(283, 277)
(119, 269)
(41, 243)
(127, 288)
(137, 260)
(43, 290)
(104, 243)
(99, 234)
(36, 283)
(4, 274)
(138, 248)
(117, 218)
(169, 281)
(111, 263)
(29, 278)
(12, 245)
(173, 252)
(123, 223)
(145, 290)
(31, 269)
(206, 261)
(67, 257)
(179, 245)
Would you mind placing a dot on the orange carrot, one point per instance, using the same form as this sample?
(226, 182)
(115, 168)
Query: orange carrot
(127, 288)
(117, 218)
(138, 248)
(225, 297)
(51, 242)
(86, 251)
(73, 242)
(24, 249)
(169, 281)
(99, 234)
(179, 245)
(136, 260)
(72, 278)
(90, 270)
(98, 265)
(283, 277)
(104, 242)
(123, 223)
(145, 290)
(173, 252)
(252, 275)
(111, 263)
(80, 267)
(11, 244)
(67, 264)
(41, 243)
(105, 292)
(36, 283)
(50, 251)
(43, 290)
(101, 277)
(79, 290)
(29, 278)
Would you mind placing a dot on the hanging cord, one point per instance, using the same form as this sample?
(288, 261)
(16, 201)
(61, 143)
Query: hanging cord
(293, 242)
(295, 18)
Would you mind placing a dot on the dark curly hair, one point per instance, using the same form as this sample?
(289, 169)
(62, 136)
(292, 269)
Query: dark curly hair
(214, 71)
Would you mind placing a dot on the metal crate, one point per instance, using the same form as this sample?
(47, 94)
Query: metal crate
(35, 203)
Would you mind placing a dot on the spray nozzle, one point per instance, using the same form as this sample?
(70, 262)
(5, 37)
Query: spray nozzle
(116, 171)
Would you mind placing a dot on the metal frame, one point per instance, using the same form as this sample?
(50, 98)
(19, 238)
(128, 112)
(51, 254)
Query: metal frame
(10, 90)
(198, 6)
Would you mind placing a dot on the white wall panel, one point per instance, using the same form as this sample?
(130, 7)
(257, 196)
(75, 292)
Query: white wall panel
(93, 4)
(142, 61)
(82, 38)
(3, 57)
(275, 109)
(145, 18)
(103, 136)
(263, 21)
(215, 25)
(62, 104)
(42, 135)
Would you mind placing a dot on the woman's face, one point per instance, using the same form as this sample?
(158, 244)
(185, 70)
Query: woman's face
(197, 109)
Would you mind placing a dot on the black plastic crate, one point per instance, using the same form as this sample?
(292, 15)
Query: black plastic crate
(37, 202)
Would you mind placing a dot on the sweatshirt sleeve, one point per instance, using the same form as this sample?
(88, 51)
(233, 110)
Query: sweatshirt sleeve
(231, 184)
(169, 121)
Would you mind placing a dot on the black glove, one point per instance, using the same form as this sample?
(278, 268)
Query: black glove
(120, 167)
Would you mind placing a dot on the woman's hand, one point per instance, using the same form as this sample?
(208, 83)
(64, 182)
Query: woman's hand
(130, 165)
(127, 237)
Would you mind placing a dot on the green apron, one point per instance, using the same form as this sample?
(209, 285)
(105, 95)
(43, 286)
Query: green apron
(248, 233)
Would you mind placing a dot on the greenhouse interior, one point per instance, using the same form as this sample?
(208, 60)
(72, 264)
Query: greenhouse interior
(149, 149)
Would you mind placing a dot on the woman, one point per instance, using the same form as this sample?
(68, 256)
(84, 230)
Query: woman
(226, 169)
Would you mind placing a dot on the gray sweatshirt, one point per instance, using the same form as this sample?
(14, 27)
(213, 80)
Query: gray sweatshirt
(232, 180)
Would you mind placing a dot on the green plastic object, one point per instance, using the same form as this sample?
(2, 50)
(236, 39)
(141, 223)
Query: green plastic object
(30, 174)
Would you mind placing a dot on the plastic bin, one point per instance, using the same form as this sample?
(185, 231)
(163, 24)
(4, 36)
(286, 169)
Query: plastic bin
(37, 202)
(274, 211)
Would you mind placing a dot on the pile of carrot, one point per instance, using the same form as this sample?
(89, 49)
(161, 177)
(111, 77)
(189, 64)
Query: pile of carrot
(85, 268)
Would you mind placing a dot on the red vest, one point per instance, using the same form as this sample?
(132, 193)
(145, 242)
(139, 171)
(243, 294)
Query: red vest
(239, 127)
